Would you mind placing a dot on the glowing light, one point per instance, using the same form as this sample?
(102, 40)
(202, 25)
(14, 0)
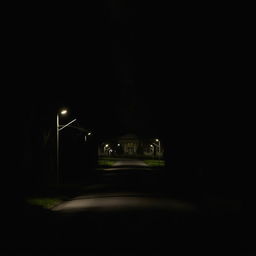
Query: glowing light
(157, 140)
(89, 133)
(64, 112)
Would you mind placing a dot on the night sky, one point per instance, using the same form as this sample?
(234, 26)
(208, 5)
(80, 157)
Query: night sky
(127, 67)
(99, 64)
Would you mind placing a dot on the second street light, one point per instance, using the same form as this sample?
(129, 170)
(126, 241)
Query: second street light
(159, 146)
(153, 150)
(62, 112)
(105, 148)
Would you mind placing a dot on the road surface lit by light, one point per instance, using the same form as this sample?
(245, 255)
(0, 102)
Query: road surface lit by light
(123, 202)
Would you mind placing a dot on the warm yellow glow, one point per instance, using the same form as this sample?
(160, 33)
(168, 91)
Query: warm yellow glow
(106, 145)
(157, 140)
(118, 145)
(64, 112)
(151, 146)
(89, 133)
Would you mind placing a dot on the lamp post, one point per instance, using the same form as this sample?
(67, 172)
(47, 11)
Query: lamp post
(159, 149)
(159, 145)
(105, 148)
(88, 134)
(62, 112)
(153, 150)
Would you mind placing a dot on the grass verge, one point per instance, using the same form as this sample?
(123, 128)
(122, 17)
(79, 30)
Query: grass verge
(44, 202)
(107, 162)
(154, 163)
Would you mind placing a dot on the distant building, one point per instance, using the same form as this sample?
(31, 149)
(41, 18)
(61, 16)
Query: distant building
(131, 145)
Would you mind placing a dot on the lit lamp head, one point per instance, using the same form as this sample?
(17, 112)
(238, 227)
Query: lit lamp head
(157, 140)
(64, 112)
(89, 133)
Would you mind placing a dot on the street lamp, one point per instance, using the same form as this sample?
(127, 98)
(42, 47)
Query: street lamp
(62, 112)
(88, 134)
(109, 150)
(159, 145)
(153, 150)
(105, 147)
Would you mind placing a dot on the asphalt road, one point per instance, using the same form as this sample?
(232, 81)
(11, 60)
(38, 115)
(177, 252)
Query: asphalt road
(128, 221)
(130, 162)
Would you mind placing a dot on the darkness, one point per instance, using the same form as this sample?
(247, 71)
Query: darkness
(120, 67)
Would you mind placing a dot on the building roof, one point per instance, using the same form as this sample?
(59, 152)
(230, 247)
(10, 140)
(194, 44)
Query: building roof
(129, 136)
